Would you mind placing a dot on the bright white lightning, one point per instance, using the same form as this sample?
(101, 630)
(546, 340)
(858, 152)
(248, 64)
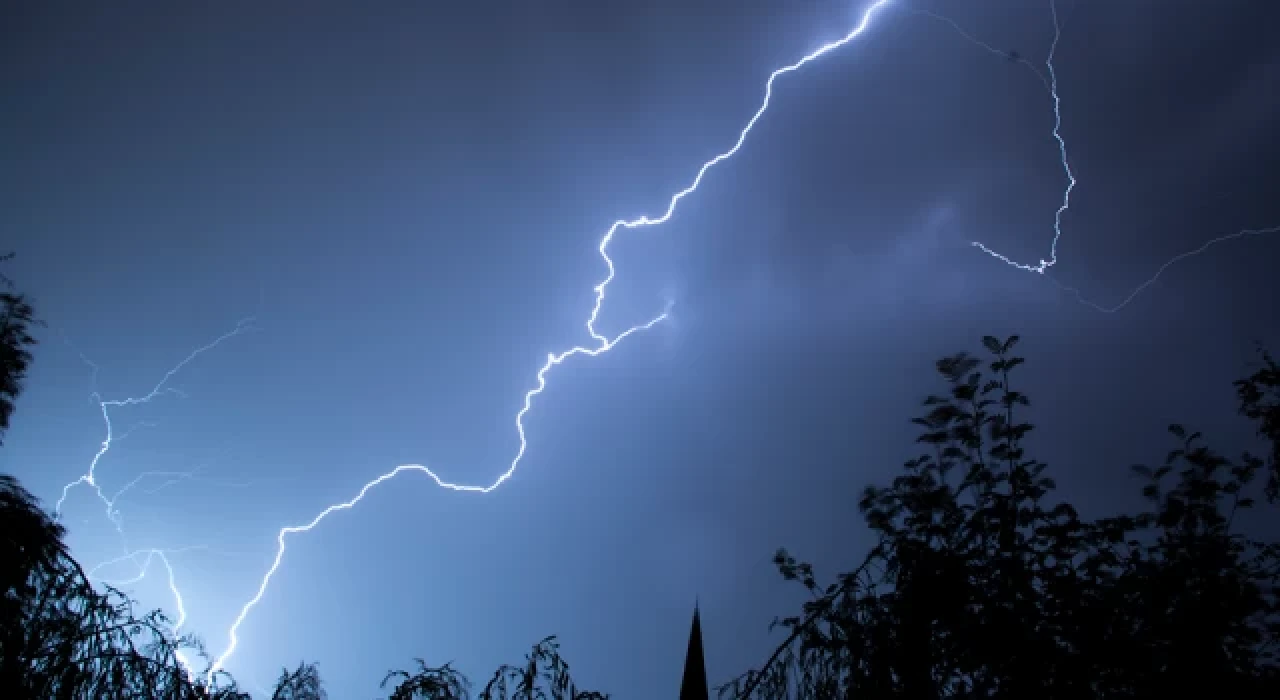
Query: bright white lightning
(90, 476)
(152, 554)
(132, 557)
(1043, 265)
(143, 567)
(604, 344)
(1051, 85)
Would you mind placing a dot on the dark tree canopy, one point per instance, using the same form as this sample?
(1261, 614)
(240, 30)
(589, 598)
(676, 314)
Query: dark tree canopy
(1259, 395)
(302, 683)
(544, 675)
(60, 637)
(983, 586)
(17, 318)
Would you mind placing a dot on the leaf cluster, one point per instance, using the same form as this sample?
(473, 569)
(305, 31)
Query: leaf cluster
(544, 675)
(60, 637)
(982, 585)
(17, 319)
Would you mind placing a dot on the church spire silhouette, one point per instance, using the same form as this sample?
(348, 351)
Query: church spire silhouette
(694, 684)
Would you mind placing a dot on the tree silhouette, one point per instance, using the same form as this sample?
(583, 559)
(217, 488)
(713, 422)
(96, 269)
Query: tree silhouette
(59, 636)
(1259, 395)
(62, 638)
(302, 683)
(17, 318)
(543, 676)
(429, 683)
(980, 586)
(29, 541)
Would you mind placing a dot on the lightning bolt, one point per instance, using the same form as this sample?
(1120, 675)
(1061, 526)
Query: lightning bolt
(1050, 81)
(89, 478)
(171, 478)
(1160, 270)
(132, 557)
(603, 343)
(600, 343)
(151, 555)
(1043, 265)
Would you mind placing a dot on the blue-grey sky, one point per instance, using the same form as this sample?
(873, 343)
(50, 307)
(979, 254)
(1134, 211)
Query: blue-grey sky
(408, 196)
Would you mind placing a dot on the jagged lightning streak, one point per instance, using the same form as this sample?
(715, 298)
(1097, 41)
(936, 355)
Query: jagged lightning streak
(161, 387)
(1160, 270)
(162, 555)
(143, 567)
(171, 478)
(552, 360)
(148, 556)
(604, 344)
(984, 45)
(151, 553)
(90, 476)
(1051, 85)
(1043, 265)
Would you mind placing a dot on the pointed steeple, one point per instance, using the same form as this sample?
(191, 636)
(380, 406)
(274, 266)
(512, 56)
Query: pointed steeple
(694, 684)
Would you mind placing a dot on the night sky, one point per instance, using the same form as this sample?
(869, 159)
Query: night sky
(407, 196)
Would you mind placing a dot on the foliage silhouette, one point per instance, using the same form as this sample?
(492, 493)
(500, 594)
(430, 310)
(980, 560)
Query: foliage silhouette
(980, 587)
(543, 676)
(59, 636)
(62, 638)
(1259, 396)
(429, 683)
(302, 683)
(17, 318)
